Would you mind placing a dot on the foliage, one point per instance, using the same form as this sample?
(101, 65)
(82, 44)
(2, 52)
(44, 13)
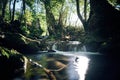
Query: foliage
(34, 10)
(25, 30)
(53, 15)
(30, 3)
(28, 17)
(7, 53)
(113, 2)
(75, 33)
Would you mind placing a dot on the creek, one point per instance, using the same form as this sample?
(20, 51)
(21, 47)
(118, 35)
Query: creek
(71, 61)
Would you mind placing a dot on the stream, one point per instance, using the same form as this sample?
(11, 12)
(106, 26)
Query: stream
(71, 61)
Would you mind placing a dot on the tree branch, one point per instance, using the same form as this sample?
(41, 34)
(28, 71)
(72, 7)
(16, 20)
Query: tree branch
(85, 10)
(78, 12)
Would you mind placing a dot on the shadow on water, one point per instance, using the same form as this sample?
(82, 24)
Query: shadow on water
(75, 65)
(103, 68)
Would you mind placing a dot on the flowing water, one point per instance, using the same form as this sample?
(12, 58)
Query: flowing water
(69, 46)
(72, 62)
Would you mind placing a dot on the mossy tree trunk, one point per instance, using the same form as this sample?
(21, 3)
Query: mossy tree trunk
(103, 26)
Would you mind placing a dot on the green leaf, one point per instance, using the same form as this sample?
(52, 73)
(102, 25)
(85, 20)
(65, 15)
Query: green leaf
(4, 53)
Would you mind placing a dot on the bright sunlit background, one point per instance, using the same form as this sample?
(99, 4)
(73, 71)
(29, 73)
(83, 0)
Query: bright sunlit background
(71, 18)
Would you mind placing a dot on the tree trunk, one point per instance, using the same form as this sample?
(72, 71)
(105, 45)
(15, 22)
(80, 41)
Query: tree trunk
(10, 9)
(85, 10)
(3, 5)
(50, 18)
(13, 11)
(78, 13)
(103, 27)
(83, 20)
(0, 7)
(23, 8)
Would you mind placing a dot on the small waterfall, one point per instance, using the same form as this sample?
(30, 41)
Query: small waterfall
(69, 46)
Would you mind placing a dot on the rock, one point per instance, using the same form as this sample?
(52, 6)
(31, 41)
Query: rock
(19, 42)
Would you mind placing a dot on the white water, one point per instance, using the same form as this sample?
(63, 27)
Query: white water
(74, 48)
(69, 46)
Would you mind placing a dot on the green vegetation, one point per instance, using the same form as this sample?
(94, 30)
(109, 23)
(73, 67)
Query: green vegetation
(40, 18)
(27, 26)
(6, 52)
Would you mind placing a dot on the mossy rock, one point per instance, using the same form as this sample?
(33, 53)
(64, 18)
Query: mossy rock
(19, 42)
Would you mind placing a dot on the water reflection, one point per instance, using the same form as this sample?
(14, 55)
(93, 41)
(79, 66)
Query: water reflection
(65, 66)
(78, 68)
